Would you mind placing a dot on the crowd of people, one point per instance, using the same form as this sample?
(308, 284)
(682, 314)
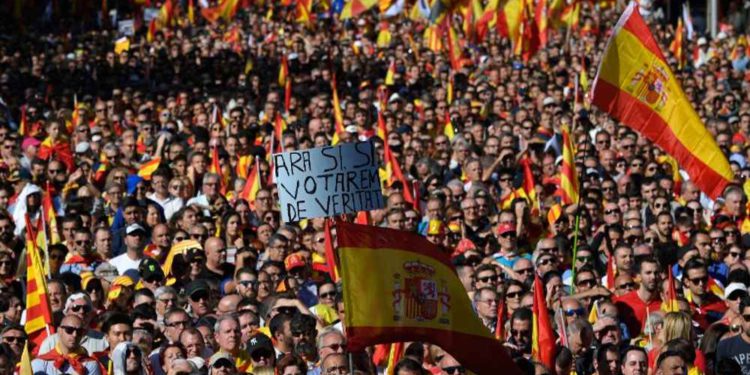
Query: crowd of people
(160, 262)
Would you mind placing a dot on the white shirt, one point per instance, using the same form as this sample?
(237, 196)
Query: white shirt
(123, 263)
(170, 204)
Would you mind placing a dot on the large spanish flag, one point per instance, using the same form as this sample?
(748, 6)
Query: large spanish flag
(635, 86)
(400, 287)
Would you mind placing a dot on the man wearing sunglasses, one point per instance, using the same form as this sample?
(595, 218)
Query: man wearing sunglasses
(450, 366)
(221, 364)
(67, 356)
(199, 296)
(261, 352)
(79, 304)
(706, 306)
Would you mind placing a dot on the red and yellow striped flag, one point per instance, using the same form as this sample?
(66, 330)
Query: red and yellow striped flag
(354, 8)
(529, 186)
(676, 47)
(279, 127)
(670, 296)
(395, 353)
(636, 87)
(568, 178)
(330, 255)
(425, 300)
(148, 168)
(283, 71)
(252, 185)
(38, 313)
(50, 217)
(24, 366)
(215, 167)
(389, 80)
(191, 12)
(226, 9)
(542, 335)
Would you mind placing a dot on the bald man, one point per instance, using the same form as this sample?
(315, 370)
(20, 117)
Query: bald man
(228, 304)
(217, 267)
(68, 351)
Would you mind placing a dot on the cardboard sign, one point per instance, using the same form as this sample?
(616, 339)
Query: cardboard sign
(327, 181)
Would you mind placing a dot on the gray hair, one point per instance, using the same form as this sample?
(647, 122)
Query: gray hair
(162, 290)
(222, 319)
(580, 326)
(330, 330)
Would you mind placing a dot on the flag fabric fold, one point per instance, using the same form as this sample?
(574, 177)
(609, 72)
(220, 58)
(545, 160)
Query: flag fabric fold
(414, 296)
(542, 334)
(636, 87)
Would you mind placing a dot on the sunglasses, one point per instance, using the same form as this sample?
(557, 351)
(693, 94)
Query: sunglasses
(575, 312)
(196, 297)
(80, 308)
(746, 317)
(248, 283)
(454, 370)
(73, 330)
(488, 279)
(287, 310)
(261, 353)
(513, 295)
(14, 339)
(516, 332)
(589, 282)
(699, 280)
(629, 285)
(328, 295)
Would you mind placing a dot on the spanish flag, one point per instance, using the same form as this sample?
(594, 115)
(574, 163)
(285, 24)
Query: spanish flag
(448, 129)
(148, 168)
(670, 298)
(252, 185)
(529, 186)
(636, 87)
(569, 177)
(676, 47)
(542, 335)
(389, 80)
(215, 168)
(226, 9)
(191, 12)
(330, 255)
(354, 8)
(415, 296)
(38, 313)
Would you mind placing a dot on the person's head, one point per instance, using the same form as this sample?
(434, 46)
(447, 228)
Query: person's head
(227, 331)
(334, 364)
(79, 304)
(199, 296)
(648, 270)
(15, 337)
(72, 330)
(192, 340)
(634, 361)
(677, 325)
(485, 302)
(172, 359)
(580, 335)
(696, 277)
(291, 364)
(117, 328)
(281, 331)
(450, 366)
(331, 340)
(216, 252)
(175, 321)
(261, 350)
(221, 364)
(485, 276)
(520, 327)
(671, 362)
(607, 360)
(134, 238)
(165, 299)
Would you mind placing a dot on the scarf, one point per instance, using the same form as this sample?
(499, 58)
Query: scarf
(75, 360)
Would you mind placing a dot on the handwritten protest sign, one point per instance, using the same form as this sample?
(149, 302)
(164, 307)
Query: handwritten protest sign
(327, 181)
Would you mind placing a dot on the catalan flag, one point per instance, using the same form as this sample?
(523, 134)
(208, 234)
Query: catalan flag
(303, 8)
(38, 313)
(426, 300)
(636, 87)
(384, 35)
(75, 118)
(24, 366)
(152, 29)
(568, 178)
(554, 214)
(542, 334)
(148, 168)
(50, 217)
(279, 127)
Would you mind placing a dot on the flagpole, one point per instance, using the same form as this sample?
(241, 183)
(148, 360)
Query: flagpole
(577, 223)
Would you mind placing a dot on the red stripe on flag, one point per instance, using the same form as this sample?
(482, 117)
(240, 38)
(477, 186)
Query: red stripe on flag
(648, 123)
(637, 27)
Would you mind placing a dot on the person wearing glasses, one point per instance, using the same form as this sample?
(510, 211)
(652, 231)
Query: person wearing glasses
(707, 307)
(450, 366)
(261, 351)
(67, 356)
(15, 337)
(79, 304)
(485, 303)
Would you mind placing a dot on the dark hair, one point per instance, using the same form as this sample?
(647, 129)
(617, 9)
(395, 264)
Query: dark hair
(693, 264)
(168, 345)
(409, 365)
(291, 360)
(601, 353)
(668, 353)
(277, 323)
(738, 275)
(646, 259)
(522, 313)
(115, 318)
(632, 348)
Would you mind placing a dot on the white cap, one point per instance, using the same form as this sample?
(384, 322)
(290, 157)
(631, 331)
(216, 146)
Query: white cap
(394, 97)
(548, 100)
(702, 41)
(351, 129)
(82, 147)
(733, 287)
(133, 228)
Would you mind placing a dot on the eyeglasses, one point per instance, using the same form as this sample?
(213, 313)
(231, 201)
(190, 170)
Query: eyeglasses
(575, 312)
(588, 282)
(179, 239)
(736, 296)
(585, 259)
(198, 296)
(73, 330)
(167, 300)
(335, 347)
(545, 262)
(14, 339)
(328, 295)
(223, 364)
(196, 236)
(287, 310)
(489, 301)
(454, 370)
(180, 323)
(516, 332)
(629, 285)
(487, 279)
(718, 239)
(80, 308)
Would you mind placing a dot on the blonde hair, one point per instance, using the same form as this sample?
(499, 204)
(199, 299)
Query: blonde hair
(677, 325)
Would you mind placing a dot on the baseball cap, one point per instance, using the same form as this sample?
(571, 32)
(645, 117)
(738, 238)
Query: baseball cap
(258, 342)
(29, 142)
(734, 287)
(134, 229)
(196, 286)
(293, 261)
(505, 228)
(220, 356)
(150, 269)
(106, 271)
